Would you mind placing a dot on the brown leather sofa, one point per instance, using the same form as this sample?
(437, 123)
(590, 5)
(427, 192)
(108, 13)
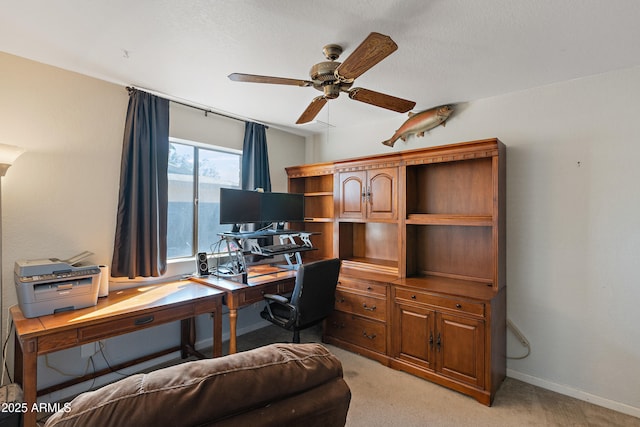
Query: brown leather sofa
(275, 385)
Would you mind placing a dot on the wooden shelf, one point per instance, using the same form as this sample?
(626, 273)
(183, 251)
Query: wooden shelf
(371, 265)
(318, 220)
(319, 193)
(438, 219)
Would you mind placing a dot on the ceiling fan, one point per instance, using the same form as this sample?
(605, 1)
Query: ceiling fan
(332, 77)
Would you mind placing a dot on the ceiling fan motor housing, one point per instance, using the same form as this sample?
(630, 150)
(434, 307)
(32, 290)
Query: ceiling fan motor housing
(324, 79)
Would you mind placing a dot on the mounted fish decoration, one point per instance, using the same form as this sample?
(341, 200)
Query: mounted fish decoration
(419, 123)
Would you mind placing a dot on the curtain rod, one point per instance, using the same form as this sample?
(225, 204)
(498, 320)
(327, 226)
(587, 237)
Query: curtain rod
(193, 105)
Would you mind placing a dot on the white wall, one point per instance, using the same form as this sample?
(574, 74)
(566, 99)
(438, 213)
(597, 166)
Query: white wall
(573, 233)
(60, 197)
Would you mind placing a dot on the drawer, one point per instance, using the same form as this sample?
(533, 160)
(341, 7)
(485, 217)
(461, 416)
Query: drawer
(57, 341)
(365, 286)
(457, 305)
(133, 323)
(374, 308)
(357, 330)
(251, 295)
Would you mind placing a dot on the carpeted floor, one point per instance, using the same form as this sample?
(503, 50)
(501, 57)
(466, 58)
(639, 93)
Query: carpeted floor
(385, 397)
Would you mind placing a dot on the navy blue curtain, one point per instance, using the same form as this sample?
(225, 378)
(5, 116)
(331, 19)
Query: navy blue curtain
(140, 247)
(255, 158)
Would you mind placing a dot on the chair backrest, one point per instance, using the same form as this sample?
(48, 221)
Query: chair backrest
(314, 293)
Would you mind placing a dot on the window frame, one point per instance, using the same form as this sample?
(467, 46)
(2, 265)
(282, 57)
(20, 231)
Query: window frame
(196, 182)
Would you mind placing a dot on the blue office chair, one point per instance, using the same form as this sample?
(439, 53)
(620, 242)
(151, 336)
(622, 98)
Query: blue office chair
(311, 301)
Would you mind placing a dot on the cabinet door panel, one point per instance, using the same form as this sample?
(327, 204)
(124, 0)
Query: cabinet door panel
(352, 188)
(461, 348)
(416, 335)
(381, 193)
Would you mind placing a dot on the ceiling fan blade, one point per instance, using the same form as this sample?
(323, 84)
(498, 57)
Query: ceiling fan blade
(312, 110)
(372, 50)
(252, 78)
(381, 100)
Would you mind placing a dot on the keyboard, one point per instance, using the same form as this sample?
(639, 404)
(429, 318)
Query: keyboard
(280, 248)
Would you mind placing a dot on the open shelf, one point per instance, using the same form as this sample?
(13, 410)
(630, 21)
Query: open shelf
(318, 205)
(462, 187)
(369, 245)
(450, 251)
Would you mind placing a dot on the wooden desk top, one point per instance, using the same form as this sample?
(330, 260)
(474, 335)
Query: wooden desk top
(119, 304)
(258, 275)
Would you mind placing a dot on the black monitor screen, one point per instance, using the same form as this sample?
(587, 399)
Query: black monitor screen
(282, 207)
(239, 206)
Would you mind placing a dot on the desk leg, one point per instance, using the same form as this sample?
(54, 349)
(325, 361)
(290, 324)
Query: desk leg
(25, 373)
(233, 320)
(217, 333)
(188, 339)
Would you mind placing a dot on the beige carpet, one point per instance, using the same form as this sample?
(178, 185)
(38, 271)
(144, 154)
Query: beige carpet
(384, 397)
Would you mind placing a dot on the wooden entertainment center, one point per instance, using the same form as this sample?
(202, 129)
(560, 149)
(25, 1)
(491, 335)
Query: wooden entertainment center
(421, 235)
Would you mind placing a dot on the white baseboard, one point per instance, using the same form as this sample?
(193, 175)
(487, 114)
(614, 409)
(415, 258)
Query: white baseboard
(575, 393)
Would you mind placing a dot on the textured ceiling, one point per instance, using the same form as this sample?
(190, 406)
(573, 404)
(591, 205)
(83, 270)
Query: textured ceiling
(449, 50)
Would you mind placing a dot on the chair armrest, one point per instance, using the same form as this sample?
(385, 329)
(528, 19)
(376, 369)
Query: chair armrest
(283, 302)
(276, 298)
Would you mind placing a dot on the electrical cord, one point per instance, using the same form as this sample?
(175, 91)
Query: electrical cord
(5, 368)
(521, 338)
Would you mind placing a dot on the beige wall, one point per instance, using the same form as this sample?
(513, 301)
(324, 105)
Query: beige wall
(60, 197)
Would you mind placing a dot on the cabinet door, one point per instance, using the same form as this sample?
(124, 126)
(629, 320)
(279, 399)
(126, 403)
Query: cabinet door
(352, 194)
(415, 335)
(381, 193)
(460, 348)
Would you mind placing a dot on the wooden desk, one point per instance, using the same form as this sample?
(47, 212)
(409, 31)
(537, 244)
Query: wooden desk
(119, 313)
(262, 280)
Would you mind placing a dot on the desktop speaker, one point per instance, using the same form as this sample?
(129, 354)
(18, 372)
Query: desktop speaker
(203, 264)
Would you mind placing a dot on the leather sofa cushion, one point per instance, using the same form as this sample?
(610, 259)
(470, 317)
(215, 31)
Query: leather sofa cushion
(265, 386)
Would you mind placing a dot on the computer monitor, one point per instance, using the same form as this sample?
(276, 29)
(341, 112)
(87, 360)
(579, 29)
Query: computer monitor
(282, 207)
(239, 206)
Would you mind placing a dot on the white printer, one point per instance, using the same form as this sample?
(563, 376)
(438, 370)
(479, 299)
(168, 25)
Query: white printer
(48, 286)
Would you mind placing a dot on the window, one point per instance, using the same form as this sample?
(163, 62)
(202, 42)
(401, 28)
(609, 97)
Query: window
(196, 174)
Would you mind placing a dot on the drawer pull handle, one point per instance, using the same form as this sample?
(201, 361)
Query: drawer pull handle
(438, 342)
(338, 325)
(413, 297)
(431, 340)
(368, 308)
(369, 288)
(143, 320)
(372, 336)
(340, 300)
(458, 305)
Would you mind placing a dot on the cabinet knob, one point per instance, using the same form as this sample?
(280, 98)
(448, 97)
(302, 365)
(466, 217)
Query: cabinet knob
(458, 305)
(372, 336)
(413, 297)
